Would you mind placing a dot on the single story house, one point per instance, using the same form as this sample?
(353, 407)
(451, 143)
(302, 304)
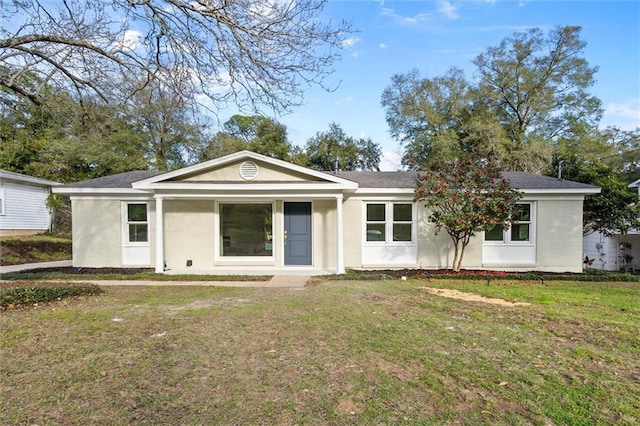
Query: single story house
(618, 252)
(247, 213)
(23, 204)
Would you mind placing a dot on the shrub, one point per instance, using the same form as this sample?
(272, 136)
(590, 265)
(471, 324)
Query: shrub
(18, 294)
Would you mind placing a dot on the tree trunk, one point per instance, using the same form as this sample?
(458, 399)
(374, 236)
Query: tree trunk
(456, 263)
(464, 245)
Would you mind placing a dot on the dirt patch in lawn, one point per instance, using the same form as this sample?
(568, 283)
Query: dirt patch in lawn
(471, 297)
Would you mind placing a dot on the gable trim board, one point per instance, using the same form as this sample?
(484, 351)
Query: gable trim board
(208, 218)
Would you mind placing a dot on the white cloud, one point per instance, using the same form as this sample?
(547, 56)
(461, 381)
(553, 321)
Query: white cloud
(130, 40)
(383, 45)
(406, 20)
(350, 42)
(447, 9)
(624, 115)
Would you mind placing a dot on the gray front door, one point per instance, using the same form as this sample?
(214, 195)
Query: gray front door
(297, 233)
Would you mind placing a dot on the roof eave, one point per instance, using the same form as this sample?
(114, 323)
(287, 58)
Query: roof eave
(66, 190)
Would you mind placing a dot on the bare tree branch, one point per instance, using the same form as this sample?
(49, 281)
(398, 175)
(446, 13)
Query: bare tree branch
(253, 53)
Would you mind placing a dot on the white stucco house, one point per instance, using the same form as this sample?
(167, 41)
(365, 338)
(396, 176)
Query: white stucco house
(614, 253)
(23, 209)
(247, 213)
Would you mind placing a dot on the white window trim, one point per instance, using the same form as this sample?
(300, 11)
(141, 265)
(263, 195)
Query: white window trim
(125, 225)
(506, 234)
(231, 260)
(389, 223)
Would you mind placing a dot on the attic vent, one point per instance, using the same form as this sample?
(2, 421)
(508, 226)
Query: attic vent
(248, 170)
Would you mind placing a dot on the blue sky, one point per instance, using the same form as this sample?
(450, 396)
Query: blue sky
(432, 36)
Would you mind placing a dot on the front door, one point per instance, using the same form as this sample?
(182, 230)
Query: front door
(297, 233)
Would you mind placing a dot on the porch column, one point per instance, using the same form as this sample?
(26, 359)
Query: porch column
(159, 236)
(339, 236)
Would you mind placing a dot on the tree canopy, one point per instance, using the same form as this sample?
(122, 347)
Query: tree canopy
(326, 148)
(246, 52)
(608, 159)
(531, 90)
(256, 133)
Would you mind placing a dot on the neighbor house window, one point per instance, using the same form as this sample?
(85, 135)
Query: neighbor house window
(389, 222)
(246, 230)
(518, 232)
(137, 223)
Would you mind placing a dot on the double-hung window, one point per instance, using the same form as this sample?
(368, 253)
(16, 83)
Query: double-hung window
(518, 232)
(389, 222)
(137, 223)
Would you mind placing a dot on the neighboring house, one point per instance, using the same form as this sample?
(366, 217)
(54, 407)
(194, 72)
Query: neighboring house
(23, 204)
(248, 213)
(615, 253)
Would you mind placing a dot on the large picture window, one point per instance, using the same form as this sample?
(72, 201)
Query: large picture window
(137, 223)
(246, 230)
(519, 231)
(389, 222)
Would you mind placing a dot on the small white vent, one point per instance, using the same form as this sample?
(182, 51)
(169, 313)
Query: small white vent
(248, 170)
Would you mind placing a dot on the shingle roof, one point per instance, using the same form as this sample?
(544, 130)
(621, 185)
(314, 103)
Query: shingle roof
(121, 180)
(19, 177)
(519, 180)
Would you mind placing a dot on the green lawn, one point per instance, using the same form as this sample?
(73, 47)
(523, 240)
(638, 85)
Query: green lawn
(342, 352)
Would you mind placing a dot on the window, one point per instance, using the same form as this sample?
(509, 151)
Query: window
(246, 230)
(137, 223)
(518, 232)
(2, 199)
(389, 222)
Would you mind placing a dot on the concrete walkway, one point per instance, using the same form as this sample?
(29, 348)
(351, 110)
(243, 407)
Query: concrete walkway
(277, 281)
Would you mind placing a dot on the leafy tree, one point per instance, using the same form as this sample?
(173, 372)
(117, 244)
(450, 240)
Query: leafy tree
(221, 144)
(65, 142)
(255, 133)
(625, 158)
(440, 119)
(465, 197)
(333, 145)
(261, 134)
(251, 53)
(600, 159)
(531, 90)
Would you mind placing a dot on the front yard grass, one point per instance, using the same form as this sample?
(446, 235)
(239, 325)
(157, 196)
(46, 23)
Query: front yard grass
(343, 352)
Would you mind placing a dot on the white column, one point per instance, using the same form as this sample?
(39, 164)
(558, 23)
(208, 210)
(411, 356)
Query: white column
(159, 236)
(339, 236)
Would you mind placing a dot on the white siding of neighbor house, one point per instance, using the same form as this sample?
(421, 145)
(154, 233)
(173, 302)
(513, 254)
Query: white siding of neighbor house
(608, 252)
(24, 208)
(603, 250)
